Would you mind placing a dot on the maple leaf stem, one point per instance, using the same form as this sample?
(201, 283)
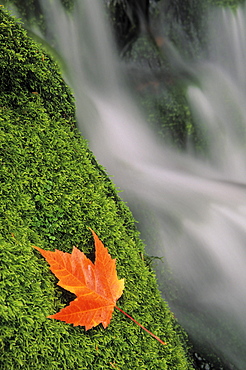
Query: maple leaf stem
(141, 326)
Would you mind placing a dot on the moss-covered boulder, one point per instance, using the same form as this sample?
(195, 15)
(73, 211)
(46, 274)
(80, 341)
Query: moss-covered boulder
(52, 190)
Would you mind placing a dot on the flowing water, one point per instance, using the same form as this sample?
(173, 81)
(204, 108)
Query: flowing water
(191, 210)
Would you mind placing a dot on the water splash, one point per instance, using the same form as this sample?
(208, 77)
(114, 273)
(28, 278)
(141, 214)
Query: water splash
(191, 210)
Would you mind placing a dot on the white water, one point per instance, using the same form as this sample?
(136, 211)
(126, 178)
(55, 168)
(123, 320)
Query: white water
(192, 211)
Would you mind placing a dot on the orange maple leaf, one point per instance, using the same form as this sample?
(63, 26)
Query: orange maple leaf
(96, 286)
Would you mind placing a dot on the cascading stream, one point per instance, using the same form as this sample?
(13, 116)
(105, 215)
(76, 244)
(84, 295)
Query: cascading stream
(190, 210)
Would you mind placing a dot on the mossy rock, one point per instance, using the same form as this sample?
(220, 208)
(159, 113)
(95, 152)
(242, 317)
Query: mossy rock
(52, 190)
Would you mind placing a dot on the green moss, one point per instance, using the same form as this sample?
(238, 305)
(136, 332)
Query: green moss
(29, 75)
(52, 190)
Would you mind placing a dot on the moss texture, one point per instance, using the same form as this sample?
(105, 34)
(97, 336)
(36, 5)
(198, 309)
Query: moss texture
(52, 190)
(163, 97)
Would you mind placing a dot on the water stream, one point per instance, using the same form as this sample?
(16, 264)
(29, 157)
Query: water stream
(191, 210)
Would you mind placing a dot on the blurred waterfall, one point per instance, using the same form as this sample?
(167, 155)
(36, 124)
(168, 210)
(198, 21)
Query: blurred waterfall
(191, 210)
